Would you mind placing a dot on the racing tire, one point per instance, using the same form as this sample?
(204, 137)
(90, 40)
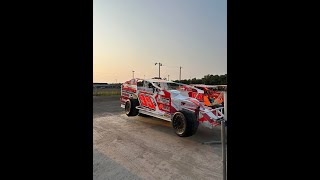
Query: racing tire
(185, 123)
(130, 107)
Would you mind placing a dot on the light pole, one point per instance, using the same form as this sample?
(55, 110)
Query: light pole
(159, 67)
(168, 77)
(133, 74)
(180, 75)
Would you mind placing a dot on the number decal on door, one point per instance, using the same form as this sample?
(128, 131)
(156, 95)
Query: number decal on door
(146, 101)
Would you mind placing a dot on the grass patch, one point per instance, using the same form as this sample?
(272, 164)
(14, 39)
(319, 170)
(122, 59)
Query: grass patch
(106, 93)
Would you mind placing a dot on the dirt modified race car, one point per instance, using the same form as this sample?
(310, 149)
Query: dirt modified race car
(178, 103)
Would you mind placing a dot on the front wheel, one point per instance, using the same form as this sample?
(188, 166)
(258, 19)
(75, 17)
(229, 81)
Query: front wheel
(130, 107)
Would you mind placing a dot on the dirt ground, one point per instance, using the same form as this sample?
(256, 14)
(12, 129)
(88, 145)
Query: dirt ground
(147, 148)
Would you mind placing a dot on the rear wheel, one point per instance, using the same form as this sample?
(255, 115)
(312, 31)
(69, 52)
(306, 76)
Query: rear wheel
(185, 123)
(130, 107)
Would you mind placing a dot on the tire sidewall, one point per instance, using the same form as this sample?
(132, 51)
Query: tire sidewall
(191, 123)
(133, 103)
(128, 111)
(177, 115)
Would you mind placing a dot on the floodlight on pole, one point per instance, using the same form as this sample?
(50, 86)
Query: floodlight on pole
(159, 68)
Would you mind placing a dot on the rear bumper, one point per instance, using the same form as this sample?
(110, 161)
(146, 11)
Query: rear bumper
(211, 117)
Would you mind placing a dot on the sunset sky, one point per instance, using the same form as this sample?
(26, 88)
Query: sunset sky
(132, 35)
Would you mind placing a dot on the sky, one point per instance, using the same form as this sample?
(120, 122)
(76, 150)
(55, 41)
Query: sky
(132, 35)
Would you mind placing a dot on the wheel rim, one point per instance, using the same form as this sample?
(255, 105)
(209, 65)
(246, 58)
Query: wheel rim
(127, 107)
(179, 124)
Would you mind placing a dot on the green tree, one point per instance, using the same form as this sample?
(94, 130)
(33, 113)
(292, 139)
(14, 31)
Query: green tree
(207, 79)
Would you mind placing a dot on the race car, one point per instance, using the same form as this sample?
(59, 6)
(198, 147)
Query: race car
(178, 103)
(212, 96)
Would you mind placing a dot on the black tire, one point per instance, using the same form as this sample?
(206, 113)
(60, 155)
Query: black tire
(130, 107)
(185, 123)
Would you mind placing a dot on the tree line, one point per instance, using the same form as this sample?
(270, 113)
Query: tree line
(207, 79)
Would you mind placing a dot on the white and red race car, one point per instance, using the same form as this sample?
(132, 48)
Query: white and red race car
(178, 103)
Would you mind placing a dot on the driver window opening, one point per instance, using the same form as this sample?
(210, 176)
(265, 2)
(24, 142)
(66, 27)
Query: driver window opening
(140, 84)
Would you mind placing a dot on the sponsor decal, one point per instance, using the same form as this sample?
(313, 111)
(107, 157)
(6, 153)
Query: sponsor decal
(147, 101)
(166, 108)
(163, 100)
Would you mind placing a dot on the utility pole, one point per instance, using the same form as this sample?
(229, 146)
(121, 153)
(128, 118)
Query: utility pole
(144, 76)
(168, 77)
(133, 74)
(159, 67)
(180, 75)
